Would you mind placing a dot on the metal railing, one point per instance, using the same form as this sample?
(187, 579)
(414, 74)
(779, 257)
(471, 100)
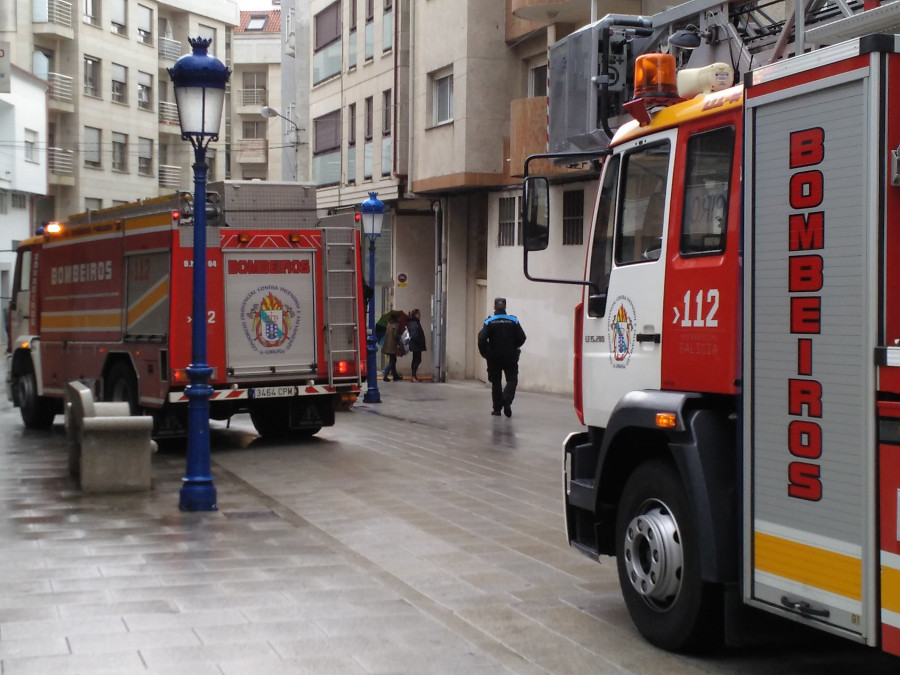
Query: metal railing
(58, 12)
(60, 87)
(255, 96)
(168, 112)
(169, 50)
(61, 161)
(169, 176)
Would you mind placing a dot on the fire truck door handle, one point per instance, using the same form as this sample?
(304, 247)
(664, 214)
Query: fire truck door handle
(803, 607)
(648, 337)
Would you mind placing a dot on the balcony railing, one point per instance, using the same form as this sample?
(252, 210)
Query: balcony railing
(60, 87)
(169, 176)
(168, 112)
(57, 12)
(61, 161)
(169, 50)
(252, 151)
(253, 97)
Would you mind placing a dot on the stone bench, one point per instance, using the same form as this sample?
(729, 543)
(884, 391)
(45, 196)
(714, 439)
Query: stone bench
(109, 450)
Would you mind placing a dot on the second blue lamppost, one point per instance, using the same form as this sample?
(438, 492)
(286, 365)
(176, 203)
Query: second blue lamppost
(199, 82)
(372, 214)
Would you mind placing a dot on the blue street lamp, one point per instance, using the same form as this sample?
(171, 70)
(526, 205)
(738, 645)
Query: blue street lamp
(372, 211)
(199, 82)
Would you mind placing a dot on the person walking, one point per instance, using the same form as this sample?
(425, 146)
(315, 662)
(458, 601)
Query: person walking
(416, 341)
(391, 346)
(500, 342)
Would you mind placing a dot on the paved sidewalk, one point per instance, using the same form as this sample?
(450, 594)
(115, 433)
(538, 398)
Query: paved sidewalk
(419, 535)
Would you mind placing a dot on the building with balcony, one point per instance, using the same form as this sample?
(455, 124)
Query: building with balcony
(262, 148)
(23, 167)
(112, 128)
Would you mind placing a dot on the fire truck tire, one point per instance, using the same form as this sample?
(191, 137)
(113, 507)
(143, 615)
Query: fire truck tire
(37, 411)
(122, 385)
(658, 559)
(270, 418)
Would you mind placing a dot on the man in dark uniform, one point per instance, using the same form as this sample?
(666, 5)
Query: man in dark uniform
(499, 342)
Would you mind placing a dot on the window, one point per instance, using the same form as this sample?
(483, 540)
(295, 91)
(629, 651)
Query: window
(119, 152)
(91, 76)
(639, 226)
(254, 91)
(707, 178)
(31, 139)
(327, 131)
(537, 80)
(328, 26)
(119, 83)
(387, 27)
(573, 217)
(208, 33)
(506, 231)
(91, 13)
(145, 24)
(253, 129)
(370, 10)
(351, 124)
(388, 5)
(327, 43)
(442, 99)
(92, 204)
(257, 22)
(118, 12)
(145, 156)
(19, 201)
(92, 147)
(354, 10)
(368, 124)
(145, 91)
(601, 247)
(386, 113)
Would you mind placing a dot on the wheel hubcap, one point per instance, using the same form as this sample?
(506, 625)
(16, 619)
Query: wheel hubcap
(653, 555)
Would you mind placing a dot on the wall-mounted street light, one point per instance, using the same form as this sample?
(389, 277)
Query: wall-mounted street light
(269, 112)
(199, 81)
(372, 214)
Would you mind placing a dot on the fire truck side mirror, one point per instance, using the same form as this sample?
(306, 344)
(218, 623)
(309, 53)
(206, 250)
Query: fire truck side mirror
(536, 213)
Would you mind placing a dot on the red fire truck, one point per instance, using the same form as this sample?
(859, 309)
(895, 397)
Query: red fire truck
(105, 298)
(736, 348)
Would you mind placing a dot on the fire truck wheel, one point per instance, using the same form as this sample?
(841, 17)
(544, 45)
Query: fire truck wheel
(658, 559)
(121, 385)
(270, 418)
(37, 411)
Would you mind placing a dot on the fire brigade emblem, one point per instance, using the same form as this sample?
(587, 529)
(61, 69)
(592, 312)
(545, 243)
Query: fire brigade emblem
(270, 318)
(621, 332)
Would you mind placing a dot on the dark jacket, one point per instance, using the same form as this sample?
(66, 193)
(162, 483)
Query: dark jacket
(500, 338)
(416, 335)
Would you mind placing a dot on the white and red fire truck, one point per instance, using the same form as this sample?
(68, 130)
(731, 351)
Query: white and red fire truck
(106, 298)
(736, 352)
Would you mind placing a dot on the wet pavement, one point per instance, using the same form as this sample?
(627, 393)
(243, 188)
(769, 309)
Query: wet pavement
(419, 535)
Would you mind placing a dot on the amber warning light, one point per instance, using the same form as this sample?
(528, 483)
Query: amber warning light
(53, 227)
(654, 75)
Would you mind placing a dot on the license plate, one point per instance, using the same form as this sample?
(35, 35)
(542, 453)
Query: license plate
(273, 392)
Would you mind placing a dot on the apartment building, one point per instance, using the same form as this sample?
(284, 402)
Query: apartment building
(264, 147)
(112, 130)
(435, 105)
(23, 165)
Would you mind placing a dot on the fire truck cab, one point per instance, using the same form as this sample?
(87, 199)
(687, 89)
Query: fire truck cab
(735, 345)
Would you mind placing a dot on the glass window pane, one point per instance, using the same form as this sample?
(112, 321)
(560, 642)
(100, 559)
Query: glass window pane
(707, 179)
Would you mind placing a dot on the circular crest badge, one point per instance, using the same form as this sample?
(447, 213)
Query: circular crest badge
(620, 323)
(269, 317)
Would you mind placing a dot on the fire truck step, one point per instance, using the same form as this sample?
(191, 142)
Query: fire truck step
(581, 493)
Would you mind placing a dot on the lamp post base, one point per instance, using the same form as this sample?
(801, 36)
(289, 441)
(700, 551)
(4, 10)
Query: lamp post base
(198, 496)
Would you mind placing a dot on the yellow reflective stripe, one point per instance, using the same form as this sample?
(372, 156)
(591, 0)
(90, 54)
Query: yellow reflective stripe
(156, 295)
(890, 588)
(110, 320)
(826, 570)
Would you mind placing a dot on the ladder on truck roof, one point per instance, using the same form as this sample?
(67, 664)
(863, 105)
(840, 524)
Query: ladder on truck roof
(753, 33)
(342, 339)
